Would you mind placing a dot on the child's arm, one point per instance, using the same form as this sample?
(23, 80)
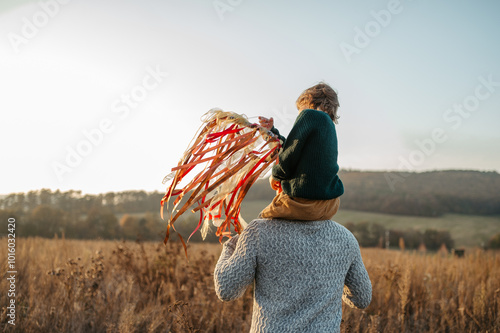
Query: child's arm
(289, 157)
(274, 130)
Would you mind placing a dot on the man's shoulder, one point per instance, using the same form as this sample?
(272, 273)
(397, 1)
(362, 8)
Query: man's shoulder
(260, 223)
(328, 229)
(341, 229)
(263, 223)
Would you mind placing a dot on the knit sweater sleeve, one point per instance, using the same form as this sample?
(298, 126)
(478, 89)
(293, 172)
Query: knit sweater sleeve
(357, 285)
(235, 269)
(275, 131)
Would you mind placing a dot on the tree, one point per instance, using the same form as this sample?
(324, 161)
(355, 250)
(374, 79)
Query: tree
(433, 239)
(46, 221)
(494, 242)
(413, 239)
(367, 234)
(129, 226)
(100, 223)
(109, 200)
(154, 227)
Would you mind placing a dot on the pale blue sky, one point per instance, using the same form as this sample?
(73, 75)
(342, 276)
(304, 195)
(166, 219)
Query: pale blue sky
(67, 67)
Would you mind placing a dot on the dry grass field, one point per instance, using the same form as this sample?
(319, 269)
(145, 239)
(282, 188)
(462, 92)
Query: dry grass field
(108, 286)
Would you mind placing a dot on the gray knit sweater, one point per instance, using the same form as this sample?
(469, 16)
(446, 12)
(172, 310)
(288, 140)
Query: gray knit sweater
(302, 271)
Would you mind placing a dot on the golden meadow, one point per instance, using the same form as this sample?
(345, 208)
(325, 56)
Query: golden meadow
(113, 286)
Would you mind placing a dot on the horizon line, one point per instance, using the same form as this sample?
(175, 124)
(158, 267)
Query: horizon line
(341, 170)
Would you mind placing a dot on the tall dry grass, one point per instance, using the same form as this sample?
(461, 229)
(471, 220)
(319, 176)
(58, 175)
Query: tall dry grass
(429, 293)
(106, 286)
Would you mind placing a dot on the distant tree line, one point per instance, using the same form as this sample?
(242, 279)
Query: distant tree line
(417, 194)
(375, 235)
(135, 214)
(75, 203)
(46, 213)
(114, 215)
(422, 194)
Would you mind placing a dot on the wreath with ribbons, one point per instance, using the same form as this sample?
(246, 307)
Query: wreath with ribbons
(225, 158)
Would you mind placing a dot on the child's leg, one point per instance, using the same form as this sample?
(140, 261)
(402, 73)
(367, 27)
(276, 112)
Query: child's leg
(287, 208)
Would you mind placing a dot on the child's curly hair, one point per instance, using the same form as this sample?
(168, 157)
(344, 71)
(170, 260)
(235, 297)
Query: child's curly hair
(320, 97)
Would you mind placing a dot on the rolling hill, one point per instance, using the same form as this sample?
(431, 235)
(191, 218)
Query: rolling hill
(432, 193)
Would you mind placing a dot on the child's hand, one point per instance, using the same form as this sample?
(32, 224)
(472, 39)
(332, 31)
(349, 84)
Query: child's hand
(275, 184)
(266, 123)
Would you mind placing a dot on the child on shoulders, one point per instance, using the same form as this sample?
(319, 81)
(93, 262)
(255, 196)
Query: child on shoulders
(305, 177)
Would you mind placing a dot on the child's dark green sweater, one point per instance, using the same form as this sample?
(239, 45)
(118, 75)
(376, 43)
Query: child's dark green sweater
(307, 166)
